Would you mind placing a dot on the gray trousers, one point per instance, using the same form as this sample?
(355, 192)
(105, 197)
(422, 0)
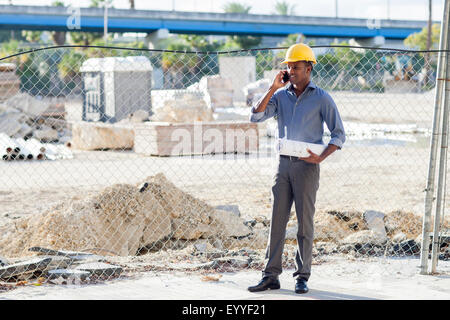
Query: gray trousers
(295, 181)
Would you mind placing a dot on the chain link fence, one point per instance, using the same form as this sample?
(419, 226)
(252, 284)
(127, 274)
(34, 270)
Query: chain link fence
(117, 161)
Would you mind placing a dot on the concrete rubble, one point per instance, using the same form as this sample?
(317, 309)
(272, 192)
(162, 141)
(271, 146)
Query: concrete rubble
(60, 267)
(185, 107)
(217, 91)
(140, 218)
(25, 118)
(9, 80)
(154, 225)
(255, 90)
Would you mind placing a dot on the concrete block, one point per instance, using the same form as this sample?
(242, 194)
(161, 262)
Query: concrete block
(68, 274)
(96, 136)
(375, 222)
(100, 269)
(171, 139)
(242, 71)
(36, 264)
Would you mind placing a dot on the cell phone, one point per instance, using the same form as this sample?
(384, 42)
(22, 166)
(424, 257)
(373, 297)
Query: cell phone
(285, 77)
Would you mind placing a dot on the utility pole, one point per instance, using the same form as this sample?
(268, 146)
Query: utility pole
(336, 7)
(105, 22)
(430, 2)
(388, 10)
(13, 36)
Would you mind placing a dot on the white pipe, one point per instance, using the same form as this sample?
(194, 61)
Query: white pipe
(7, 144)
(35, 148)
(24, 148)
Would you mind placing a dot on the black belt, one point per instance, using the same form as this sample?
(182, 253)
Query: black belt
(291, 158)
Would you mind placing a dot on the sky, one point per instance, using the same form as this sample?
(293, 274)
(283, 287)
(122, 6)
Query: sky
(370, 9)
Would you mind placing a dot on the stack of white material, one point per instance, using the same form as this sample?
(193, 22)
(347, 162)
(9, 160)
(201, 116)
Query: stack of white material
(20, 149)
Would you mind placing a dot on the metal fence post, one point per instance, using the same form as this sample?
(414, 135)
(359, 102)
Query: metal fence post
(434, 141)
(442, 169)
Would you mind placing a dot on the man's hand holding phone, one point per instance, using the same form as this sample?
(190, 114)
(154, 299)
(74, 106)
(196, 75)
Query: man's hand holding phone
(280, 80)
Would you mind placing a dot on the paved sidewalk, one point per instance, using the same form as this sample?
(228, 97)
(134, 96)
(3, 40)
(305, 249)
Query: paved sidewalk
(344, 281)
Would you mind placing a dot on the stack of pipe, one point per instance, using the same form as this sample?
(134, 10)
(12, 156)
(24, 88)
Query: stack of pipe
(20, 149)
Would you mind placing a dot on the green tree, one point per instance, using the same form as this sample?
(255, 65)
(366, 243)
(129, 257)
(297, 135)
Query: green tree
(188, 68)
(418, 40)
(100, 3)
(6, 35)
(236, 7)
(32, 36)
(58, 37)
(199, 43)
(84, 38)
(284, 8)
(239, 42)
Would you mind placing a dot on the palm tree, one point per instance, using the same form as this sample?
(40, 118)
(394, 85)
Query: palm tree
(244, 42)
(236, 7)
(284, 8)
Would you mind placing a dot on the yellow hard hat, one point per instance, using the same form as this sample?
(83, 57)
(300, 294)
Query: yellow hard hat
(299, 52)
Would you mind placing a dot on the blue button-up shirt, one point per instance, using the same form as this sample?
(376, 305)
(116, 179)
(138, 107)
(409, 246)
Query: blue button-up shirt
(304, 116)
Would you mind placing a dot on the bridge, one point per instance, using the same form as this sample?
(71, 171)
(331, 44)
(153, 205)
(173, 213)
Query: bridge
(14, 17)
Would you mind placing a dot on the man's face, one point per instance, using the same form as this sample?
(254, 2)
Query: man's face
(299, 72)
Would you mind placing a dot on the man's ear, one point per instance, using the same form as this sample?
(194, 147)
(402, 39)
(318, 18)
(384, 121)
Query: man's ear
(309, 67)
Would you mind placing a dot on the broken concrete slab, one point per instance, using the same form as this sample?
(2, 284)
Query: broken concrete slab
(28, 104)
(399, 237)
(37, 264)
(72, 255)
(365, 237)
(100, 269)
(230, 207)
(68, 274)
(193, 266)
(237, 262)
(226, 224)
(57, 262)
(375, 222)
(185, 108)
(57, 252)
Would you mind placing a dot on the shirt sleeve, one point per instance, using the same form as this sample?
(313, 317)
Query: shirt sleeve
(334, 123)
(271, 111)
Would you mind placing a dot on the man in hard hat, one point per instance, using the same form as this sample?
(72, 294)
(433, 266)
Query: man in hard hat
(301, 109)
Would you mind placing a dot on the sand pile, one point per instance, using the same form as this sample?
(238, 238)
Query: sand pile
(121, 219)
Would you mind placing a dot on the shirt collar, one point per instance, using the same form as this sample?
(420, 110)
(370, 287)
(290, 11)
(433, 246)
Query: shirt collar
(311, 85)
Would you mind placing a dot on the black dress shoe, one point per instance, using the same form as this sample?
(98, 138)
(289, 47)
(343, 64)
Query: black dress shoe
(265, 284)
(301, 286)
